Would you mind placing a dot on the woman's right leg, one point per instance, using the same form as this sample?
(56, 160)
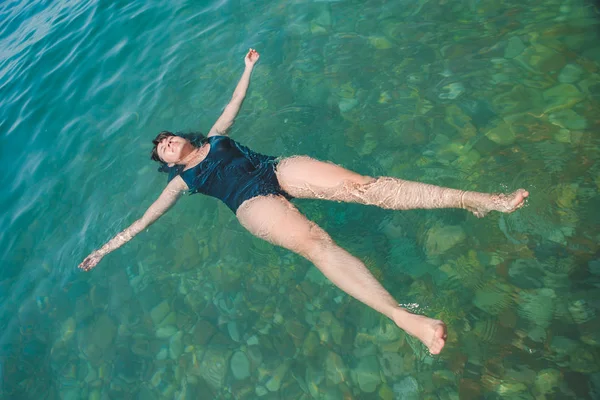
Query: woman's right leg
(305, 177)
(276, 220)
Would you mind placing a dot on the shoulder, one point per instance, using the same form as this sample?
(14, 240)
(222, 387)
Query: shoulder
(217, 136)
(177, 184)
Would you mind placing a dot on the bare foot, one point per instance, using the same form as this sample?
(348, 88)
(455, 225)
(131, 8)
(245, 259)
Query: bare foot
(432, 332)
(506, 203)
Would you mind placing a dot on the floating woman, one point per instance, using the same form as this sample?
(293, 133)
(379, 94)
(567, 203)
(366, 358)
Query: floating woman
(258, 190)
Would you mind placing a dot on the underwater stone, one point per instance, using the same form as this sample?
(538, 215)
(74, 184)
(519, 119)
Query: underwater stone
(526, 274)
(162, 354)
(158, 313)
(335, 369)
(336, 329)
(296, 330)
(176, 345)
(514, 48)
(501, 134)
(594, 267)
(563, 136)
(571, 73)
(500, 78)
(369, 144)
(442, 238)
(493, 299)
(203, 332)
(512, 389)
(367, 374)
(274, 383)
(313, 378)
(581, 311)
(170, 319)
(311, 345)
(452, 91)
(568, 119)
(546, 380)
(537, 334)
(380, 42)
(385, 392)
(214, 367)
(103, 332)
(582, 360)
(261, 391)
(240, 365)
(95, 395)
(232, 328)
(68, 329)
(537, 306)
(518, 99)
(315, 276)
(561, 96)
(538, 58)
(255, 355)
(407, 388)
(346, 105)
(392, 364)
(166, 332)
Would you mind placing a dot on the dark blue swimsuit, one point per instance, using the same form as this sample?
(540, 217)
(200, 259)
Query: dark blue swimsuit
(232, 173)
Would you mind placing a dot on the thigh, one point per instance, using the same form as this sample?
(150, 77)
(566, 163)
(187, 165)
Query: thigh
(276, 220)
(305, 177)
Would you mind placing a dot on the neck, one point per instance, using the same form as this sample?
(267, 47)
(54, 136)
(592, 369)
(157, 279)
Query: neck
(191, 157)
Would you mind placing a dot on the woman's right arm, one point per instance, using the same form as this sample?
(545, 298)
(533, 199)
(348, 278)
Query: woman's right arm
(165, 201)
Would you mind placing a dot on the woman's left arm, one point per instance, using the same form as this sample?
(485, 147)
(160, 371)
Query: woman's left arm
(231, 110)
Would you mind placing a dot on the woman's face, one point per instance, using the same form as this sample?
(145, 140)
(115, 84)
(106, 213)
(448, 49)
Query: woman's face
(173, 149)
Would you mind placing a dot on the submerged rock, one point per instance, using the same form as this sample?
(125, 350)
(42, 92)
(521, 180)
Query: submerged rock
(581, 311)
(547, 380)
(514, 48)
(240, 365)
(176, 345)
(103, 332)
(159, 312)
(442, 238)
(539, 58)
(407, 389)
(501, 134)
(518, 100)
(537, 306)
(493, 298)
(67, 329)
(561, 96)
(380, 42)
(568, 119)
(452, 91)
(166, 331)
(274, 383)
(392, 364)
(214, 367)
(571, 73)
(335, 369)
(367, 374)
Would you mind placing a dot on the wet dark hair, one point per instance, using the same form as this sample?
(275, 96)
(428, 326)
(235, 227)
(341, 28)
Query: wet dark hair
(197, 139)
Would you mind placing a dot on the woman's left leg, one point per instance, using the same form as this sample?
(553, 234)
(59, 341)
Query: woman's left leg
(276, 220)
(305, 177)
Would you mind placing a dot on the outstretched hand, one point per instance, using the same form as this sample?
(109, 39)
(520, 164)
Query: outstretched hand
(251, 58)
(91, 261)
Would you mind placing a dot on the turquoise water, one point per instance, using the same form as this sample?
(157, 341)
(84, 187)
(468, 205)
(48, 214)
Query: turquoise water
(481, 95)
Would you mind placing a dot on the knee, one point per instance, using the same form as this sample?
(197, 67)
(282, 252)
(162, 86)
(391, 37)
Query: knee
(316, 245)
(358, 185)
